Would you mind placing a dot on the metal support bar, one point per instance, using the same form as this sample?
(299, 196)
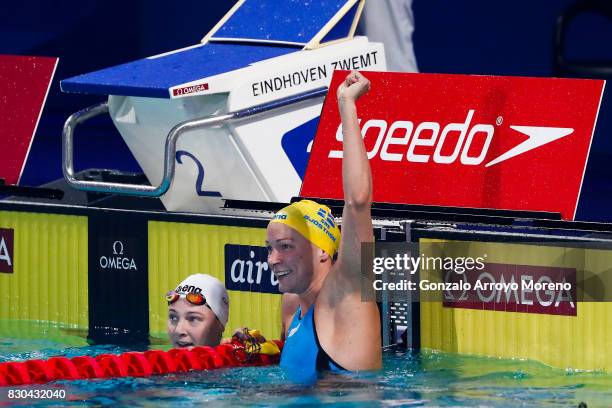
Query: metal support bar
(385, 310)
(413, 309)
(170, 146)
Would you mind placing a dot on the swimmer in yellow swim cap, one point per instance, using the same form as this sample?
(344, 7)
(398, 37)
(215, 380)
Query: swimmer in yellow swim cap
(320, 271)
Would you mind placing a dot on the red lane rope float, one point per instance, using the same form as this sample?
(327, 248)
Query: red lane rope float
(132, 364)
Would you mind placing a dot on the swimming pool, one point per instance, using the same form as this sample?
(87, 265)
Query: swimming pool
(407, 379)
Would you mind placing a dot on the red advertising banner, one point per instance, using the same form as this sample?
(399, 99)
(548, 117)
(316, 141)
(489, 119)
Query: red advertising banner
(515, 288)
(24, 84)
(512, 143)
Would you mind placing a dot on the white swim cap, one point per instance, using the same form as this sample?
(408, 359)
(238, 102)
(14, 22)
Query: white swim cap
(213, 291)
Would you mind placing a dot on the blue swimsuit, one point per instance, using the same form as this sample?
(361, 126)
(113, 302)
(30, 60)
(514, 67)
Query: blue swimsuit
(303, 357)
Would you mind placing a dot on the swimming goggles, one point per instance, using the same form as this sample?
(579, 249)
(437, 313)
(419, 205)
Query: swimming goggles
(194, 298)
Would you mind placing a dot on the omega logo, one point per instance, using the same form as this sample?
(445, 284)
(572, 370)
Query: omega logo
(118, 244)
(118, 261)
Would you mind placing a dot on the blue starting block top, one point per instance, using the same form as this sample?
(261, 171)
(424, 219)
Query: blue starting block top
(254, 30)
(285, 21)
(153, 77)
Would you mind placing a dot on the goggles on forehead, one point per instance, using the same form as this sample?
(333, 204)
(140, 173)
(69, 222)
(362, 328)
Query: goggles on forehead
(194, 298)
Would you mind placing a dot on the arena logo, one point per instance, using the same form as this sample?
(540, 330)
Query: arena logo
(6, 250)
(183, 290)
(432, 135)
(118, 261)
(514, 288)
(247, 270)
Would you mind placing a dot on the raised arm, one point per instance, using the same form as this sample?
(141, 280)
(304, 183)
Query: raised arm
(356, 181)
(348, 326)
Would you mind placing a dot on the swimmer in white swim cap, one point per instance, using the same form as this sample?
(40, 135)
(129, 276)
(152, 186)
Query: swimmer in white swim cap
(198, 310)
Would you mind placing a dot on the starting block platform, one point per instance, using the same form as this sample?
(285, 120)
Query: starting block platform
(244, 102)
(169, 75)
(304, 24)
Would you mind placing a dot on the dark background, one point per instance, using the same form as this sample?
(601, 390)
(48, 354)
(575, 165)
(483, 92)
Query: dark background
(466, 37)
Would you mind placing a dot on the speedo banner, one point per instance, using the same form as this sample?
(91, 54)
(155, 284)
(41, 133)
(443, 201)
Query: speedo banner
(512, 143)
(24, 84)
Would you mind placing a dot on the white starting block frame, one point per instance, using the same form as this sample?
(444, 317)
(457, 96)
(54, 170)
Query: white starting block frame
(170, 145)
(244, 103)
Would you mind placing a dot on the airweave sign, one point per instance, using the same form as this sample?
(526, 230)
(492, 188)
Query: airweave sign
(247, 270)
(6, 250)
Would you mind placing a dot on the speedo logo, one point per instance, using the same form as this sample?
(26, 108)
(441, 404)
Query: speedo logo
(470, 148)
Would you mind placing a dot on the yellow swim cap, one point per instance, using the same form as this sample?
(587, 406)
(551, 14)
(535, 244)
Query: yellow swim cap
(314, 221)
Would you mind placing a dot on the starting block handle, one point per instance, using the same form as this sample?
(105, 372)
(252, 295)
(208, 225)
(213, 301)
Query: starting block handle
(170, 147)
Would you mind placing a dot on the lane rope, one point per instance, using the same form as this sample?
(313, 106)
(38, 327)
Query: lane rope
(136, 364)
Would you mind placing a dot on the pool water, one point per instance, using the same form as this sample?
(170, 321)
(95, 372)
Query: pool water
(407, 379)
